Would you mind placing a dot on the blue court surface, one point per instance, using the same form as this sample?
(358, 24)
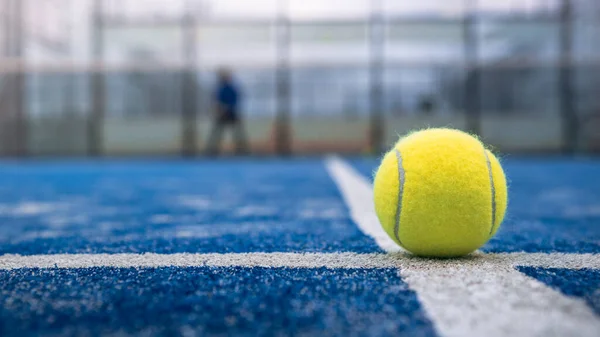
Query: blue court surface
(283, 248)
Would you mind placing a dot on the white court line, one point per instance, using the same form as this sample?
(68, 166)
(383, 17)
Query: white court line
(480, 295)
(483, 295)
(358, 194)
(494, 299)
(299, 260)
(292, 260)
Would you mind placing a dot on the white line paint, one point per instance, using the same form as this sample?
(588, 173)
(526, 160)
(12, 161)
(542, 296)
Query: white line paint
(555, 260)
(481, 295)
(489, 297)
(300, 260)
(292, 260)
(358, 194)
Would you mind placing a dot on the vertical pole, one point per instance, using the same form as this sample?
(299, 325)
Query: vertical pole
(565, 79)
(5, 88)
(472, 94)
(5, 19)
(282, 119)
(19, 85)
(376, 65)
(96, 119)
(9, 24)
(189, 85)
(6, 104)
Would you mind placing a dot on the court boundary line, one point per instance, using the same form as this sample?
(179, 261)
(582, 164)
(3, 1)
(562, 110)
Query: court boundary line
(399, 260)
(357, 192)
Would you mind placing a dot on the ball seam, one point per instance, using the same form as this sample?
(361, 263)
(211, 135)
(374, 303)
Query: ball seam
(401, 179)
(493, 188)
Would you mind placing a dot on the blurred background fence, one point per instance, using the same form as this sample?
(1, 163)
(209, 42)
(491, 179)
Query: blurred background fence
(133, 77)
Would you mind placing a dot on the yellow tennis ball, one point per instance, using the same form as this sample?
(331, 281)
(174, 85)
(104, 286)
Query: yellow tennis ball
(440, 193)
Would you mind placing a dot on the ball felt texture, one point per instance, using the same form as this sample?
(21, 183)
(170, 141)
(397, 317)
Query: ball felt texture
(440, 193)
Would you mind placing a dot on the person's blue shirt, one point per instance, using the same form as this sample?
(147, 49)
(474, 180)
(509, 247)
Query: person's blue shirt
(228, 97)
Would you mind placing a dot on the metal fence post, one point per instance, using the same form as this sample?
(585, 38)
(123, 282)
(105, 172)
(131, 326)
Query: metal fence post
(189, 87)
(472, 94)
(565, 78)
(96, 118)
(376, 65)
(282, 119)
(19, 94)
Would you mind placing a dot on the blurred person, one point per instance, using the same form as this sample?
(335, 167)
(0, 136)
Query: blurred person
(227, 99)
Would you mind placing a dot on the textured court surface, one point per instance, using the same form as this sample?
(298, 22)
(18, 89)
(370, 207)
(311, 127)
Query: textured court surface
(283, 248)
